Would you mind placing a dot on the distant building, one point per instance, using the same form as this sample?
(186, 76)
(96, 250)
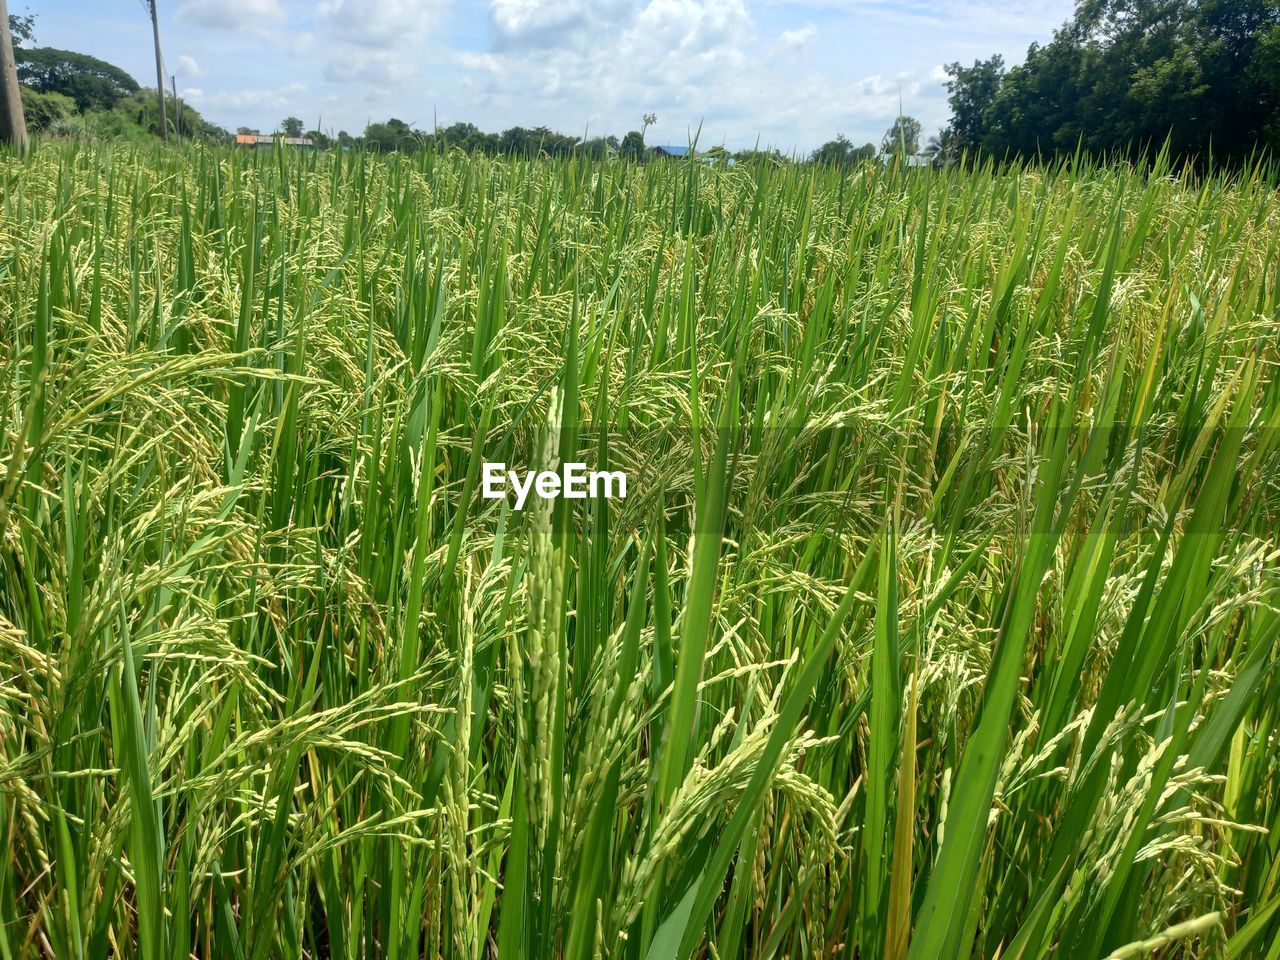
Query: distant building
(667, 150)
(259, 140)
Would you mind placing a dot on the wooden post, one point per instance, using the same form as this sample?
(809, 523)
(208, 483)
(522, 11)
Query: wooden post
(13, 127)
(155, 31)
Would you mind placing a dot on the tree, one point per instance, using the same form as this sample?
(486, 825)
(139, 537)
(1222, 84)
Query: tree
(468, 137)
(1128, 76)
(767, 155)
(13, 127)
(632, 146)
(597, 148)
(902, 137)
(530, 142)
(943, 149)
(250, 131)
(92, 83)
(837, 152)
(291, 127)
(971, 92)
(390, 136)
(841, 152)
(22, 29)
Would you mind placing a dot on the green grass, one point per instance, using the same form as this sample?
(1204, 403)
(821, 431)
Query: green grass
(941, 619)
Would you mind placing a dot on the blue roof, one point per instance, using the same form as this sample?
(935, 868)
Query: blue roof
(673, 150)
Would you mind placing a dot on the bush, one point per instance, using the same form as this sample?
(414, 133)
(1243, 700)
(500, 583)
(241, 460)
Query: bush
(44, 110)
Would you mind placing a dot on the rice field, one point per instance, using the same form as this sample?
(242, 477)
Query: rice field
(940, 619)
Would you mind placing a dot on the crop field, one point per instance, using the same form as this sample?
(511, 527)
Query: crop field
(940, 618)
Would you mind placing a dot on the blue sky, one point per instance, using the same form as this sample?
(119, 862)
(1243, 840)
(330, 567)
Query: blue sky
(786, 73)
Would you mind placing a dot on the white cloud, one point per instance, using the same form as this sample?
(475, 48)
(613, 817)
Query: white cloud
(231, 14)
(571, 62)
(692, 26)
(516, 21)
(752, 69)
(189, 66)
(559, 23)
(386, 70)
(799, 38)
(374, 43)
(378, 23)
(267, 97)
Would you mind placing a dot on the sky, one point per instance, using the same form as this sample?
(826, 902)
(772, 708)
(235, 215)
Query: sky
(789, 74)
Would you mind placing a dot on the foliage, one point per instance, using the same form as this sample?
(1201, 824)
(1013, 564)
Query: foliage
(632, 147)
(468, 137)
(390, 136)
(71, 94)
(22, 28)
(43, 110)
(840, 152)
(142, 109)
(600, 147)
(902, 138)
(769, 155)
(940, 619)
(944, 148)
(538, 141)
(92, 83)
(972, 92)
(1129, 75)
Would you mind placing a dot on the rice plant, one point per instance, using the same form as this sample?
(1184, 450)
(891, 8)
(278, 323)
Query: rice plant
(940, 619)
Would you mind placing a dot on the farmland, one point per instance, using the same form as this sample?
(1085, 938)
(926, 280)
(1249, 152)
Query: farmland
(939, 619)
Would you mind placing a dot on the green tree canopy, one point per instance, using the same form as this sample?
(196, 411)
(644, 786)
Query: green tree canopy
(1127, 75)
(902, 137)
(22, 29)
(92, 83)
(390, 136)
(530, 142)
(469, 137)
(600, 147)
(841, 152)
(633, 145)
(291, 127)
(972, 91)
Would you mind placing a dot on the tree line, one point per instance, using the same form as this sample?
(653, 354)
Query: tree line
(1120, 77)
(69, 93)
(74, 94)
(1123, 77)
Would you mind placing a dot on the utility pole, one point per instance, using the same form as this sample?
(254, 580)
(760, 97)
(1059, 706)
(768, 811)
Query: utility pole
(155, 31)
(13, 128)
